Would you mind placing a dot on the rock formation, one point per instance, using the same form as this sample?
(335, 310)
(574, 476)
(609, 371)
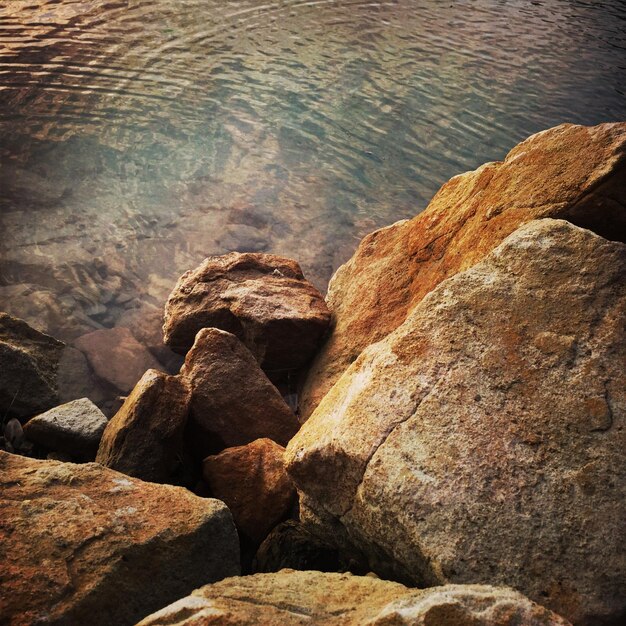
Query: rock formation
(395, 267)
(291, 598)
(480, 441)
(263, 299)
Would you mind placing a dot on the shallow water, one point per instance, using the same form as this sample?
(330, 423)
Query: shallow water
(138, 137)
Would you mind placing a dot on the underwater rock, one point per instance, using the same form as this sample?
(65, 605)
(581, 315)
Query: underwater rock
(480, 441)
(74, 428)
(252, 481)
(82, 544)
(395, 267)
(291, 598)
(145, 437)
(263, 299)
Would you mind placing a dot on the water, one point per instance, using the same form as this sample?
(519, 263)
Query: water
(138, 137)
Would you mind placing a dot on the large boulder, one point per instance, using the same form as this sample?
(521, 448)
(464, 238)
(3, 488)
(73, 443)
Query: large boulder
(233, 402)
(29, 363)
(145, 437)
(394, 268)
(82, 544)
(252, 481)
(74, 428)
(481, 441)
(261, 298)
(299, 598)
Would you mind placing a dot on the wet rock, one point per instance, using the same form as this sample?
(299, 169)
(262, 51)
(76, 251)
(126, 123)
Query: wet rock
(261, 298)
(29, 362)
(74, 428)
(252, 481)
(116, 357)
(479, 441)
(290, 597)
(145, 438)
(395, 267)
(76, 379)
(233, 402)
(82, 544)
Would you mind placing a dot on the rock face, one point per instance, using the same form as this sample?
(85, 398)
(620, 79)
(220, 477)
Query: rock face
(480, 441)
(81, 544)
(116, 357)
(261, 298)
(29, 362)
(290, 597)
(233, 402)
(252, 481)
(394, 268)
(145, 438)
(74, 428)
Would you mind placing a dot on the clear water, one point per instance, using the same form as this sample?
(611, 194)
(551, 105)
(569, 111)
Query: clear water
(138, 137)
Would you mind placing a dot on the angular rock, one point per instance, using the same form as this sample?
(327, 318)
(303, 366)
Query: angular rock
(82, 544)
(145, 437)
(291, 598)
(394, 268)
(116, 357)
(480, 441)
(29, 362)
(261, 298)
(252, 481)
(233, 402)
(74, 428)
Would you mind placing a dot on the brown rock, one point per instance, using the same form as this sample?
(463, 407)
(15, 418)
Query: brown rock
(394, 268)
(252, 481)
(479, 441)
(299, 598)
(116, 357)
(233, 402)
(145, 438)
(261, 298)
(29, 363)
(82, 544)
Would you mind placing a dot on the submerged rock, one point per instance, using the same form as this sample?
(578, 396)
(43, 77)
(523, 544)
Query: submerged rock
(252, 481)
(145, 437)
(29, 363)
(480, 441)
(74, 428)
(395, 267)
(82, 544)
(263, 299)
(233, 402)
(290, 597)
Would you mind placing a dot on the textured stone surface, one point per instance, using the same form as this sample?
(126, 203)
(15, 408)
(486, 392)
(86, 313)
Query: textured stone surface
(290, 597)
(29, 363)
(82, 544)
(261, 298)
(252, 481)
(482, 440)
(233, 402)
(74, 428)
(116, 357)
(145, 437)
(394, 268)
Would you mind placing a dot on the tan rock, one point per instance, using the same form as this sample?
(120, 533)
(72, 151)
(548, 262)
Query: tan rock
(82, 544)
(145, 437)
(116, 357)
(292, 598)
(480, 441)
(233, 402)
(261, 298)
(252, 481)
(394, 268)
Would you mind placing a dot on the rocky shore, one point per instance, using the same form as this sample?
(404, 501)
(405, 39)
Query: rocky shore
(438, 442)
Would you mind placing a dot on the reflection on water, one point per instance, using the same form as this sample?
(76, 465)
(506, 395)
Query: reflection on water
(138, 137)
